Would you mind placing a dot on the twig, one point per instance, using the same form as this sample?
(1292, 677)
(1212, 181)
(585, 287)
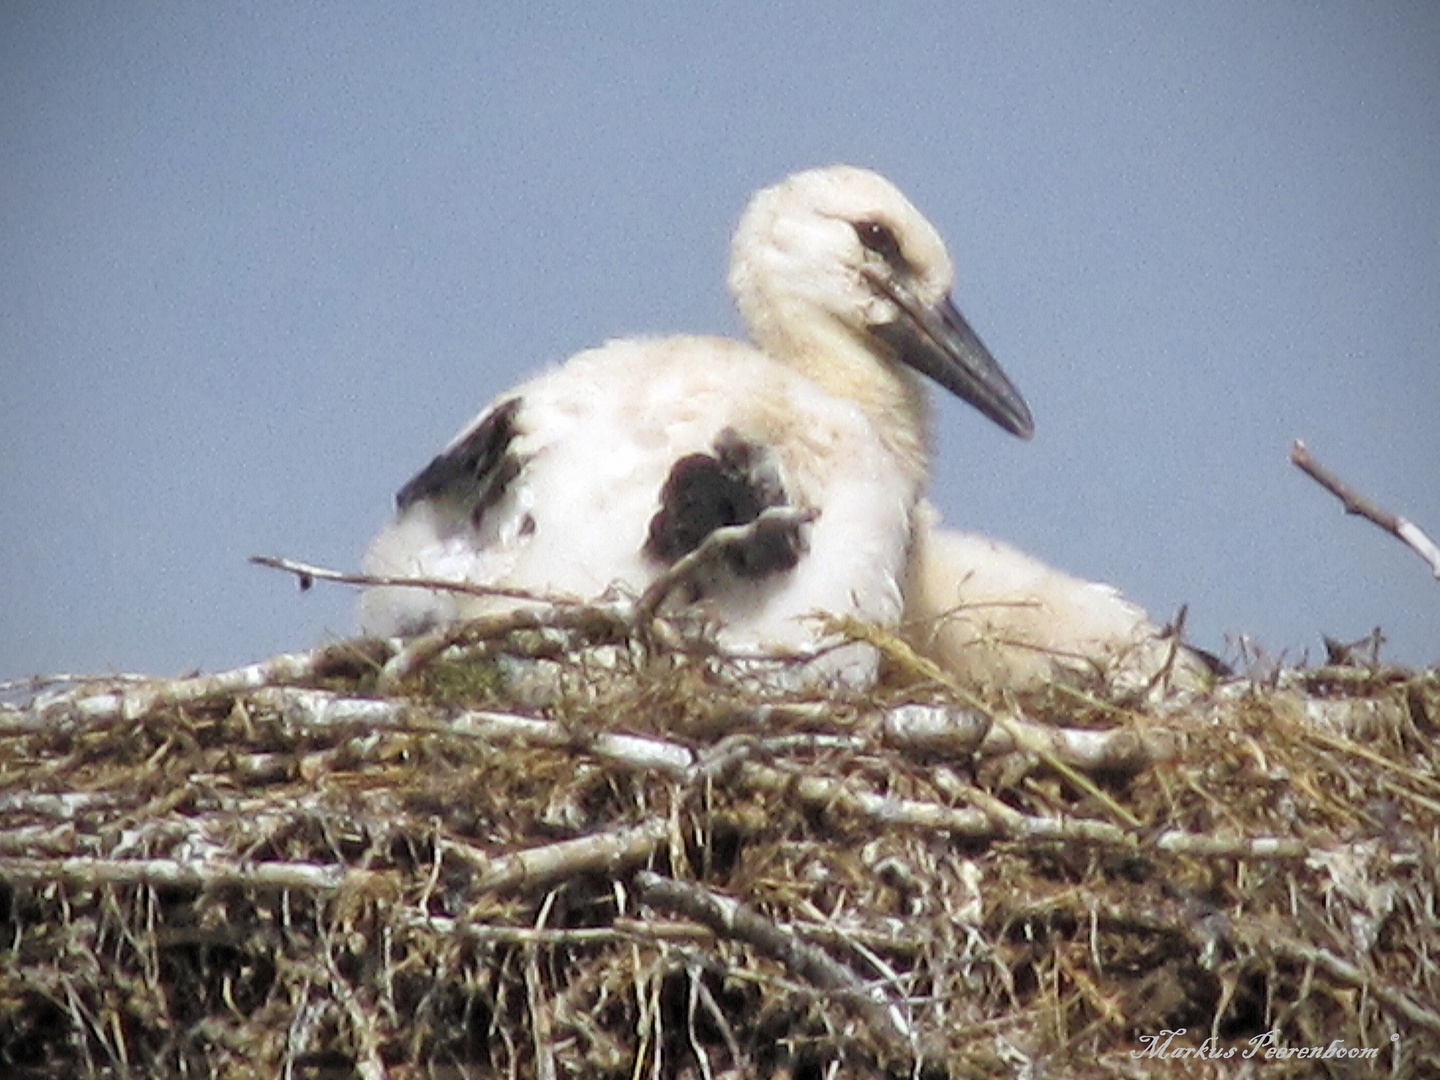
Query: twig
(1023, 735)
(602, 853)
(369, 1065)
(988, 822)
(206, 873)
(637, 751)
(714, 547)
(956, 730)
(592, 623)
(1346, 972)
(952, 730)
(1176, 633)
(34, 684)
(1123, 751)
(725, 757)
(54, 840)
(732, 919)
(66, 806)
(542, 612)
(309, 573)
(302, 707)
(1355, 503)
(701, 993)
(915, 727)
(541, 1029)
(621, 931)
(599, 853)
(132, 700)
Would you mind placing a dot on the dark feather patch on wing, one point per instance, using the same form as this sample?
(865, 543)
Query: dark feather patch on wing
(732, 486)
(475, 473)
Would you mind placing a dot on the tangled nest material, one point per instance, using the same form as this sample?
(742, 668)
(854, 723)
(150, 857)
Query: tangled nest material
(364, 862)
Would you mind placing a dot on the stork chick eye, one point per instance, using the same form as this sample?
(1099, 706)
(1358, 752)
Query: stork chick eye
(880, 239)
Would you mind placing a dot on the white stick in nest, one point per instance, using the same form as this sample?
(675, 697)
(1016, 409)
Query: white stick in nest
(100, 701)
(201, 873)
(731, 919)
(1358, 504)
(308, 573)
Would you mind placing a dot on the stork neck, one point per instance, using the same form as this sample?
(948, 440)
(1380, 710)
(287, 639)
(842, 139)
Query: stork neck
(891, 395)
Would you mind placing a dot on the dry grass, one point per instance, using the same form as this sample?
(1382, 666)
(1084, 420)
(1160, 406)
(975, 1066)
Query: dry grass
(287, 872)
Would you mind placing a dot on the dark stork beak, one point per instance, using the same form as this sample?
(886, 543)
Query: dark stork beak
(937, 341)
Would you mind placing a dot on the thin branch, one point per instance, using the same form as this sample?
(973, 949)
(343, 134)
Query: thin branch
(309, 573)
(1344, 971)
(715, 546)
(590, 623)
(1358, 504)
(56, 841)
(63, 806)
(134, 700)
(302, 707)
(956, 730)
(602, 853)
(203, 873)
(599, 619)
(1025, 737)
(699, 991)
(1124, 751)
(988, 821)
(637, 751)
(417, 652)
(621, 931)
(369, 1065)
(952, 730)
(731, 919)
(541, 1028)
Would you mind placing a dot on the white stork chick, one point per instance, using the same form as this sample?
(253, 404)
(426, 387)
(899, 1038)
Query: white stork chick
(606, 470)
(991, 615)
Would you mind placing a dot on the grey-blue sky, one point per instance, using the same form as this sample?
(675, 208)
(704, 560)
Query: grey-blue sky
(255, 267)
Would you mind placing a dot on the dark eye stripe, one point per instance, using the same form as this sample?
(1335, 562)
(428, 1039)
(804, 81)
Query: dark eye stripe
(879, 239)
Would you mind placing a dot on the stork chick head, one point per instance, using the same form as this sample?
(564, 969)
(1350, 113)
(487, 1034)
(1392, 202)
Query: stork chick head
(836, 272)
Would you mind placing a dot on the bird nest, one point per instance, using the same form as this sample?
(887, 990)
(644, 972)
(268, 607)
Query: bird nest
(558, 850)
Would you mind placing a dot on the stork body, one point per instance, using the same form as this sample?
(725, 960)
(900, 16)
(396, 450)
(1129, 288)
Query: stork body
(594, 447)
(608, 469)
(993, 616)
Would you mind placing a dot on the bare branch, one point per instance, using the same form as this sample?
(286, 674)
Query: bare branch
(991, 819)
(309, 573)
(1346, 972)
(714, 547)
(599, 853)
(1358, 504)
(957, 730)
(369, 1064)
(541, 1028)
(100, 701)
(201, 873)
(731, 919)
(637, 751)
(622, 930)
(1023, 736)
(1126, 750)
(566, 628)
